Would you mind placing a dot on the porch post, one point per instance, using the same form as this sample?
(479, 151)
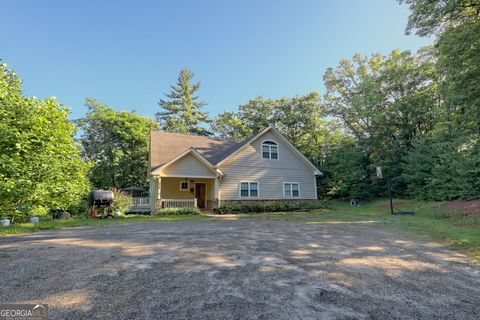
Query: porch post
(159, 193)
(154, 194)
(217, 188)
(151, 195)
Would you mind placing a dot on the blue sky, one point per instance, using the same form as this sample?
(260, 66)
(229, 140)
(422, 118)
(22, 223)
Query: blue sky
(127, 53)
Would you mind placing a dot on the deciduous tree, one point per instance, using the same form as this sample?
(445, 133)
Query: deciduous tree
(40, 163)
(117, 143)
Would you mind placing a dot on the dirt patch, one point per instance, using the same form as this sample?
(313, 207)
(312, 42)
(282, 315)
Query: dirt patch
(469, 208)
(237, 269)
(396, 204)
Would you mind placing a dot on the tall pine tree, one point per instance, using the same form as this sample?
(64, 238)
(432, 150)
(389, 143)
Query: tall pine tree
(182, 112)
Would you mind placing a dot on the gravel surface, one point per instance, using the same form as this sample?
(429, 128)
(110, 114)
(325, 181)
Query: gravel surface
(237, 269)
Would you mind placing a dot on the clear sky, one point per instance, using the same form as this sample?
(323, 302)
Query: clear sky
(126, 53)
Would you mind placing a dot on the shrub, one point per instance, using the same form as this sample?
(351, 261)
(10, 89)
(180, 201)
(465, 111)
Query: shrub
(178, 211)
(121, 200)
(82, 207)
(274, 206)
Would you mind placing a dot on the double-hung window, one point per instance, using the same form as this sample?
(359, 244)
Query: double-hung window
(183, 185)
(269, 150)
(291, 190)
(249, 189)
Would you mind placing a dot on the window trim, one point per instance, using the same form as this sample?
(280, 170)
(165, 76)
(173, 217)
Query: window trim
(180, 185)
(291, 190)
(249, 196)
(270, 149)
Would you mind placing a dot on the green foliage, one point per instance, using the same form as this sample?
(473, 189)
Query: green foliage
(40, 163)
(121, 200)
(458, 52)
(443, 166)
(178, 211)
(430, 17)
(229, 125)
(347, 174)
(445, 163)
(81, 207)
(385, 102)
(117, 143)
(273, 206)
(182, 112)
(457, 26)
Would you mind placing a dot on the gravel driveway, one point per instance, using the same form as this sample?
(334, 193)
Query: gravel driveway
(237, 269)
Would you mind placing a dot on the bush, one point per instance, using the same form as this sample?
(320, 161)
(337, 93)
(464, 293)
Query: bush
(82, 207)
(178, 211)
(275, 206)
(121, 200)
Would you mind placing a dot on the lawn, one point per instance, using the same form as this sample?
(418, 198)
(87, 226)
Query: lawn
(430, 221)
(50, 224)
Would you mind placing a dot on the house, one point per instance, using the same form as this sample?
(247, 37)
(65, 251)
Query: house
(187, 170)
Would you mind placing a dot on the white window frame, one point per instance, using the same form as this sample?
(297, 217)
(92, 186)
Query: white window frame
(270, 149)
(180, 185)
(249, 196)
(291, 190)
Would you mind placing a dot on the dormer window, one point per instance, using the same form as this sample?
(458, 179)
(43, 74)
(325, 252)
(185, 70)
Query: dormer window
(269, 150)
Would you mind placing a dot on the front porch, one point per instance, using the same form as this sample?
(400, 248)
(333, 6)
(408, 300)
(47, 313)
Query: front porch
(183, 192)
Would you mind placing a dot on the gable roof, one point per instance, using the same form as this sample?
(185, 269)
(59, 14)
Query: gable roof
(166, 148)
(247, 142)
(195, 154)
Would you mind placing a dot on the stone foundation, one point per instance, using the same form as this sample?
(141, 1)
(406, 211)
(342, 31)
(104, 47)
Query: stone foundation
(265, 201)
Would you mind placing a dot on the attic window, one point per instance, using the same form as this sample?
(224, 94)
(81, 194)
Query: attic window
(269, 150)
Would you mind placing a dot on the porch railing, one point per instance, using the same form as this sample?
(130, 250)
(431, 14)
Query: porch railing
(178, 203)
(140, 202)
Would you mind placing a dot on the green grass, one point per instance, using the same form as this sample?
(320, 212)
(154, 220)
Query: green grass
(50, 224)
(430, 221)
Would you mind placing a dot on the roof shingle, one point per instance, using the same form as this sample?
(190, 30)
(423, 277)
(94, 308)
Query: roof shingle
(165, 146)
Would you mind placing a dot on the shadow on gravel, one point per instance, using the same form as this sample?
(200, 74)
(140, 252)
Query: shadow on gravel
(246, 268)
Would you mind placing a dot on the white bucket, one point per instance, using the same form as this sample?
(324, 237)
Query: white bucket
(5, 222)
(34, 220)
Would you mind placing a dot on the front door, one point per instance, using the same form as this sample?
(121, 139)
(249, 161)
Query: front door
(200, 194)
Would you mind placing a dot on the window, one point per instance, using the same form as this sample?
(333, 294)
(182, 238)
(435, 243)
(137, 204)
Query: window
(183, 185)
(291, 190)
(249, 189)
(269, 150)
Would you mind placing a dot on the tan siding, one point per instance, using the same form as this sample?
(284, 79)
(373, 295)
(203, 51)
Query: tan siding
(171, 188)
(248, 165)
(188, 166)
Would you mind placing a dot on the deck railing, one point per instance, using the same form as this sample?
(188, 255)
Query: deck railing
(178, 203)
(140, 202)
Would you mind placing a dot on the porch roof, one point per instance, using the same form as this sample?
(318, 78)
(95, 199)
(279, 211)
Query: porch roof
(195, 154)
